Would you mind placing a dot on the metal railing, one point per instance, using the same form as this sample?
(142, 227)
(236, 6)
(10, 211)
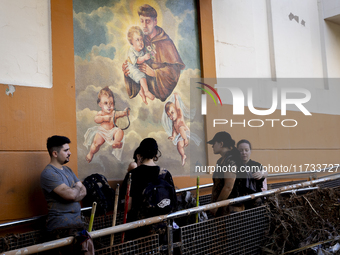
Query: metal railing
(209, 185)
(12, 223)
(165, 218)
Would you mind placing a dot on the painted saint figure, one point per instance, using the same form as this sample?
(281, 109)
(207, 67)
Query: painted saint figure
(164, 69)
(107, 131)
(174, 124)
(136, 56)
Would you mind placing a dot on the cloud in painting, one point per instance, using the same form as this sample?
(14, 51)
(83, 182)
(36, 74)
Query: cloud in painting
(107, 51)
(79, 6)
(180, 7)
(90, 30)
(189, 40)
(98, 71)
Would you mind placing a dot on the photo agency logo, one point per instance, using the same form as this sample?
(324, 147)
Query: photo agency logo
(204, 97)
(290, 97)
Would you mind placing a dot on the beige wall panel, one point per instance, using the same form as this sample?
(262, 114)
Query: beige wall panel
(318, 132)
(300, 159)
(22, 196)
(26, 119)
(32, 115)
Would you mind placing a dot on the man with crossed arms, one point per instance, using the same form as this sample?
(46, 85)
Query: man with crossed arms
(62, 191)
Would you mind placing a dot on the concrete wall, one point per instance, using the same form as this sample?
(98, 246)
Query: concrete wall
(243, 31)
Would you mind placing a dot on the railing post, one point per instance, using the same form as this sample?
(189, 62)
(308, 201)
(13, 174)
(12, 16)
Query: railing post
(170, 238)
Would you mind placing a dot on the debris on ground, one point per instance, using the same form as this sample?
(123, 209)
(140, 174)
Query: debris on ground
(304, 224)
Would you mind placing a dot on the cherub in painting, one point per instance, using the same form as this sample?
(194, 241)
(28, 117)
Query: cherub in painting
(174, 124)
(107, 131)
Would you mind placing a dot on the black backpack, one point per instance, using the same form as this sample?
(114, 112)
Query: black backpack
(159, 197)
(98, 190)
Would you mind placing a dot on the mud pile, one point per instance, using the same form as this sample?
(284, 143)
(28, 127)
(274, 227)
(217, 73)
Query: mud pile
(311, 221)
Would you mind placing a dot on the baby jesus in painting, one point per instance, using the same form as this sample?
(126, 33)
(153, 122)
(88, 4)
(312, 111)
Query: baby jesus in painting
(107, 131)
(136, 56)
(180, 131)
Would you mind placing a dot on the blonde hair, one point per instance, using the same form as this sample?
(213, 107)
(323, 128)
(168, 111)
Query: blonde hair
(132, 30)
(107, 92)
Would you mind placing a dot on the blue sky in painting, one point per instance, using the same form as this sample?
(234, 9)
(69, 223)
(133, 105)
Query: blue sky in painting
(91, 33)
(188, 43)
(178, 7)
(79, 6)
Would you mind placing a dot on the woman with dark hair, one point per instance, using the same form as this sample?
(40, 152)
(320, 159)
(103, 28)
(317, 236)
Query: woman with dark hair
(147, 172)
(256, 175)
(135, 161)
(227, 178)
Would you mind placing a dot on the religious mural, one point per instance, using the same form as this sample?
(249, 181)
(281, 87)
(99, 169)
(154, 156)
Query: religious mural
(133, 63)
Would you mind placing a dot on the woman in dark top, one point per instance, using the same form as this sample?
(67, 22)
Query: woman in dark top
(254, 170)
(146, 172)
(135, 161)
(227, 178)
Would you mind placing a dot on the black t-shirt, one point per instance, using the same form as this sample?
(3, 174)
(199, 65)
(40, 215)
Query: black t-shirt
(141, 176)
(227, 163)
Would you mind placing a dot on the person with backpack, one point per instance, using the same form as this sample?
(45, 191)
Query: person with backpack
(135, 161)
(152, 190)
